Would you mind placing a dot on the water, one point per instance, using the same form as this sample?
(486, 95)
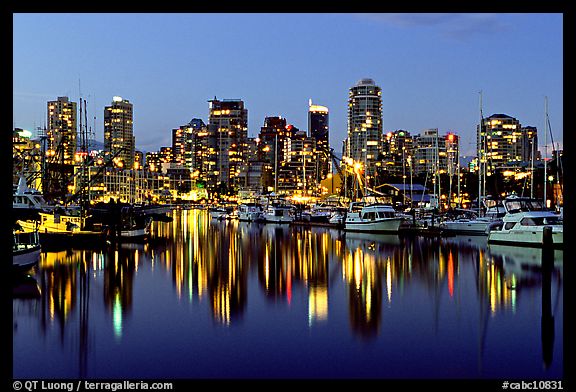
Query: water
(207, 299)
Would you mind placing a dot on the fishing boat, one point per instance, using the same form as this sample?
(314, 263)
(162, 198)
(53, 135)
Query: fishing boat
(67, 228)
(25, 249)
(525, 223)
(373, 217)
(130, 222)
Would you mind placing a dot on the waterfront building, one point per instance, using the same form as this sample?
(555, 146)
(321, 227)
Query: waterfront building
(319, 130)
(138, 160)
(180, 141)
(364, 142)
(297, 172)
(228, 128)
(504, 142)
(119, 139)
(60, 147)
(430, 153)
(273, 147)
(61, 131)
(155, 159)
(26, 157)
(397, 152)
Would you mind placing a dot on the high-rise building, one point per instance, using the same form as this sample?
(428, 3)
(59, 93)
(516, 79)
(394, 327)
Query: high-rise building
(318, 129)
(364, 141)
(297, 172)
(180, 138)
(428, 148)
(119, 133)
(228, 126)
(397, 149)
(61, 131)
(530, 144)
(503, 141)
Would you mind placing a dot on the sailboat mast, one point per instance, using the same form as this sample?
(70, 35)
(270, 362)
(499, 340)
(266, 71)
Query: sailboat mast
(479, 147)
(276, 164)
(438, 171)
(545, 145)
(532, 170)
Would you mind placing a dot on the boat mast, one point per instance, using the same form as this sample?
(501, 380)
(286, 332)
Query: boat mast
(276, 165)
(439, 203)
(458, 170)
(479, 144)
(532, 170)
(403, 176)
(545, 145)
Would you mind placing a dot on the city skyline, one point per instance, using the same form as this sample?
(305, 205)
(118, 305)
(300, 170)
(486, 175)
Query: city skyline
(430, 67)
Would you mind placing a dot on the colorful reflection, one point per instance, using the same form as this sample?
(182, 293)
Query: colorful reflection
(212, 263)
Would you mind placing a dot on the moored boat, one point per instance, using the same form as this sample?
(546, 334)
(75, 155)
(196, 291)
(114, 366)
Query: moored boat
(25, 249)
(278, 213)
(250, 212)
(63, 228)
(376, 217)
(528, 223)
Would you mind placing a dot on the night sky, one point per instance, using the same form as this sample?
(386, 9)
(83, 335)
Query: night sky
(431, 68)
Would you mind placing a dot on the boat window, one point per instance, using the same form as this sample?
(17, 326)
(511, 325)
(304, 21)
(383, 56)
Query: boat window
(551, 220)
(509, 225)
(369, 216)
(528, 222)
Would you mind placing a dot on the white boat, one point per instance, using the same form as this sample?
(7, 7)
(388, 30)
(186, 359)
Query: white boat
(377, 218)
(25, 249)
(219, 212)
(250, 212)
(470, 223)
(337, 217)
(278, 213)
(26, 201)
(524, 224)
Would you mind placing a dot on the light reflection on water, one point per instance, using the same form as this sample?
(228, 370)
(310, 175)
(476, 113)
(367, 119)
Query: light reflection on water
(343, 304)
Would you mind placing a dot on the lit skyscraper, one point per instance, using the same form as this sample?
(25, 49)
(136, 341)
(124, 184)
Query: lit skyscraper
(504, 141)
(318, 128)
(61, 132)
(118, 131)
(228, 126)
(364, 140)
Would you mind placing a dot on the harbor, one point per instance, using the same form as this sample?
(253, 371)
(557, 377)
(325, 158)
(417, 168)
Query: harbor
(208, 196)
(205, 298)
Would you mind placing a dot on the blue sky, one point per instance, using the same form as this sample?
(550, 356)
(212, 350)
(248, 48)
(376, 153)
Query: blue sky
(431, 68)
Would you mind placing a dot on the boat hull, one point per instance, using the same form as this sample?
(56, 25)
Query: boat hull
(534, 237)
(387, 225)
(466, 227)
(26, 258)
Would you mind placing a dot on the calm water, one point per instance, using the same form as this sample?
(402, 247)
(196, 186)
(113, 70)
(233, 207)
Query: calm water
(210, 299)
